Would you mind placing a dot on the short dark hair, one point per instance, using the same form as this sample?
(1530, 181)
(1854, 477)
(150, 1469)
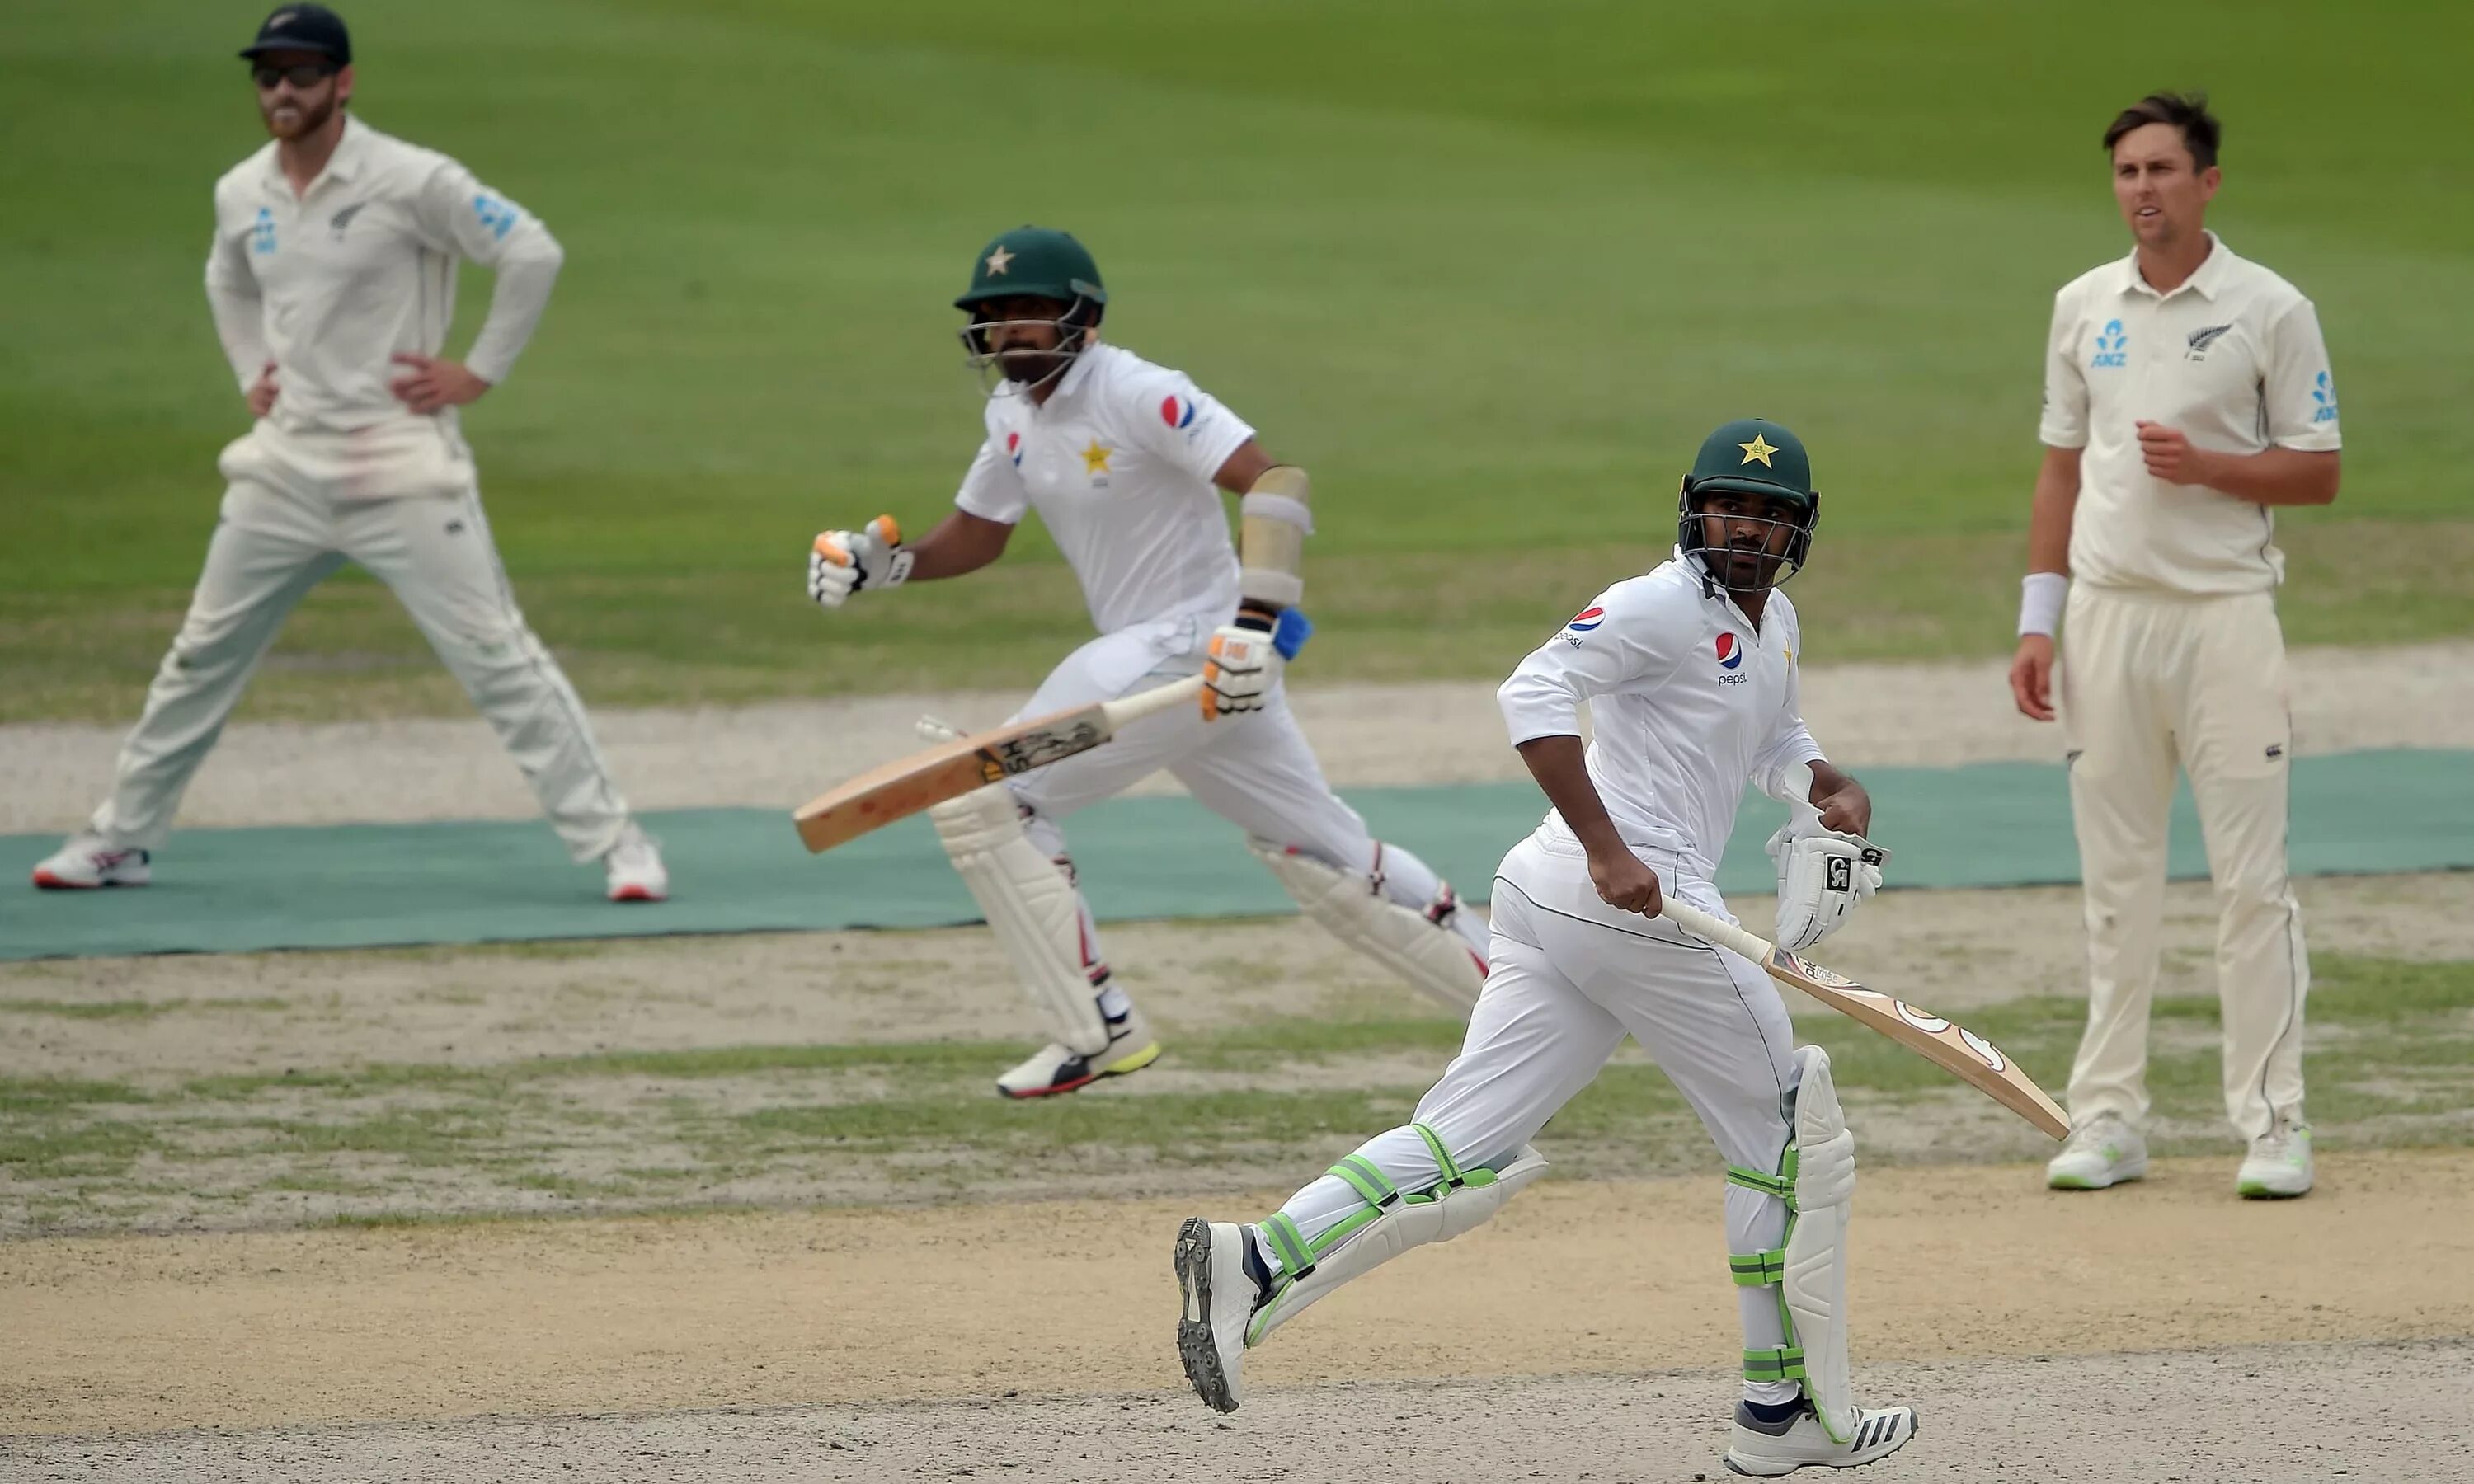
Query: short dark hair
(2185, 111)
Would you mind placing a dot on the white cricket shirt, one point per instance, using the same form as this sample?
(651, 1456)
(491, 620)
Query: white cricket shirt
(1118, 462)
(1688, 702)
(2233, 358)
(331, 283)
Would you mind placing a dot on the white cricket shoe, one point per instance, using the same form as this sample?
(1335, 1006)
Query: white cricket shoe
(1768, 1450)
(1055, 1069)
(2278, 1167)
(1219, 1298)
(2104, 1151)
(635, 868)
(85, 861)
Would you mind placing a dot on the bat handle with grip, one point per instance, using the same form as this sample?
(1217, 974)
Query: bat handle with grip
(1727, 935)
(1162, 698)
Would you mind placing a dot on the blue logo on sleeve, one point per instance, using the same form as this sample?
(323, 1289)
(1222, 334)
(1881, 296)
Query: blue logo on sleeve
(261, 233)
(2324, 395)
(497, 216)
(2111, 343)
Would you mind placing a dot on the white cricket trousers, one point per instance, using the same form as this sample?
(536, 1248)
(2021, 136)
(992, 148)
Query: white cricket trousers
(297, 508)
(1568, 977)
(1254, 770)
(2147, 681)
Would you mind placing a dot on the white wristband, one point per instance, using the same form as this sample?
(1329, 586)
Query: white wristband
(2040, 602)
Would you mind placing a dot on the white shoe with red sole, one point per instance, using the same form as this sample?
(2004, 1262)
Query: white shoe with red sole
(635, 868)
(89, 861)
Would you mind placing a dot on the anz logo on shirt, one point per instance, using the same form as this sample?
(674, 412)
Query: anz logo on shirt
(497, 216)
(2111, 344)
(261, 233)
(2323, 398)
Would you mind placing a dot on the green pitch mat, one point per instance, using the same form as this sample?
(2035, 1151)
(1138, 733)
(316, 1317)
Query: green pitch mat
(222, 891)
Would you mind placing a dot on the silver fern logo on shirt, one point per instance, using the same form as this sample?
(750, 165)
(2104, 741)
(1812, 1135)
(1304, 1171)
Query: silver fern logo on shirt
(2201, 340)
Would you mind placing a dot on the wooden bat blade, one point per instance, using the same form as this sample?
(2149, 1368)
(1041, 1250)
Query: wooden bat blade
(1952, 1047)
(908, 785)
(1947, 1044)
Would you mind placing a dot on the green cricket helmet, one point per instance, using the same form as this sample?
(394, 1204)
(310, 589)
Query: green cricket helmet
(1034, 262)
(1757, 457)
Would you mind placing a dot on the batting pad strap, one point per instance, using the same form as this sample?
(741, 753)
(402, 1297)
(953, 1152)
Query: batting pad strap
(1289, 1245)
(1371, 1184)
(1779, 1363)
(1781, 1186)
(1757, 1269)
(1451, 1173)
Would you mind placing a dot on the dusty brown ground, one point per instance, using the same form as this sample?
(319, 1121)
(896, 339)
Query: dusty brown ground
(2318, 1413)
(838, 1309)
(256, 1329)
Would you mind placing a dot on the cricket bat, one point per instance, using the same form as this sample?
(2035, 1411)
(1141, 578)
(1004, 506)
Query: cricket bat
(1952, 1047)
(907, 786)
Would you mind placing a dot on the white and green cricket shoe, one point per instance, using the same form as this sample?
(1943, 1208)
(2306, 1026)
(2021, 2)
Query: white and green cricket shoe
(1768, 1450)
(2278, 1167)
(2103, 1152)
(1218, 1297)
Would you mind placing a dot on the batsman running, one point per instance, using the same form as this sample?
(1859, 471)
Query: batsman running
(1125, 462)
(1690, 676)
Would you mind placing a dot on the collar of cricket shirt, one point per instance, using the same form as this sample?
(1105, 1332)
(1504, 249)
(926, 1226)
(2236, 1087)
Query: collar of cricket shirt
(344, 166)
(2205, 281)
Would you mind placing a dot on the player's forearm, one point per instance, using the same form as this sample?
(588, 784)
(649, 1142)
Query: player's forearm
(961, 543)
(240, 325)
(1560, 765)
(2276, 477)
(2049, 519)
(524, 278)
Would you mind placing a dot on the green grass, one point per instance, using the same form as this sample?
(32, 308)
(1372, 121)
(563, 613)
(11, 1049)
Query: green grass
(1489, 271)
(2390, 1064)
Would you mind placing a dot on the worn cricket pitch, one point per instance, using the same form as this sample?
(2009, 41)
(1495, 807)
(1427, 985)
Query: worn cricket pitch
(986, 1291)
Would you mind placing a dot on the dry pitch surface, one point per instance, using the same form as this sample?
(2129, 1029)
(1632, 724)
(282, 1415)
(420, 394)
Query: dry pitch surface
(2158, 1333)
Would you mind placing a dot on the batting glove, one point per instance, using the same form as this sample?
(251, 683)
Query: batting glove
(1245, 660)
(847, 561)
(1822, 876)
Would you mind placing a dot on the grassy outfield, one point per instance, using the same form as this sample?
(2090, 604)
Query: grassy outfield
(1489, 271)
(2391, 1063)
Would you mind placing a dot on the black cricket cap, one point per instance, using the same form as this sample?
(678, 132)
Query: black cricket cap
(303, 28)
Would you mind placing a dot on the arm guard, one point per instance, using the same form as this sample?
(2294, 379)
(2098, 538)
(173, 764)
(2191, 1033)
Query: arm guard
(1275, 521)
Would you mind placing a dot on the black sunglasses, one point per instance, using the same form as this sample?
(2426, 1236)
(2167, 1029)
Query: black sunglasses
(304, 75)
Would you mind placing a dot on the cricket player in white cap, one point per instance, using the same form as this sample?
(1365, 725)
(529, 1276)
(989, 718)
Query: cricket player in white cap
(2187, 396)
(332, 281)
(1125, 462)
(1689, 672)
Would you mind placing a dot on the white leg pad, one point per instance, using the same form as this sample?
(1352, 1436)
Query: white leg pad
(1432, 957)
(1403, 1224)
(1030, 906)
(1814, 1285)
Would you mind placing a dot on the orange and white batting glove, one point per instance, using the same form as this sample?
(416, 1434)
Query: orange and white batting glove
(847, 561)
(1240, 668)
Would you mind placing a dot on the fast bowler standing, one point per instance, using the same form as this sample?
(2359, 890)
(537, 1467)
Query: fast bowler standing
(2185, 396)
(332, 281)
(1690, 676)
(1125, 462)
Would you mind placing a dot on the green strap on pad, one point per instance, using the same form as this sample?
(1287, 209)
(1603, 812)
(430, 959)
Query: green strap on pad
(1785, 1363)
(1757, 1269)
(1298, 1256)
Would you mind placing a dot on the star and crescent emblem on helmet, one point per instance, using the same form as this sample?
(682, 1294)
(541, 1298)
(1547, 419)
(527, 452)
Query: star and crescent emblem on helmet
(1000, 260)
(1759, 448)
